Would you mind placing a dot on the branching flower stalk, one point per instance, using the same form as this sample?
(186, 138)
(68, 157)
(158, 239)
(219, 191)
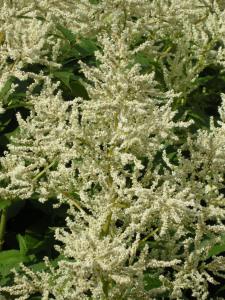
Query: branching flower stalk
(132, 209)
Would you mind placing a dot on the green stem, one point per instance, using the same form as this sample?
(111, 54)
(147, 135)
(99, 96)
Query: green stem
(148, 236)
(2, 227)
(66, 194)
(44, 170)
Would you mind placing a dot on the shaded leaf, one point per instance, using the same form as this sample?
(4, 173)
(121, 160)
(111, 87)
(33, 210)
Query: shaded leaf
(10, 259)
(68, 34)
(221, 289)
(6, 89)
(78, 90)
(22, 244)
(4, 204)
(15, 208)
(151, 281)
(198, 117)
(64, 76)
(86, 47)
(218, 248)
(41, 266)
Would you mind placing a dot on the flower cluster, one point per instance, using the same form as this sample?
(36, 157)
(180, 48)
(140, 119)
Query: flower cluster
(29, 35)
(133, 210)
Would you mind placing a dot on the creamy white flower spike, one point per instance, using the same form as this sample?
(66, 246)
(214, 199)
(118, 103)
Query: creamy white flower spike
(132, 209)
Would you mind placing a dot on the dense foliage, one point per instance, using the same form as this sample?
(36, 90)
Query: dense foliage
(112, 149)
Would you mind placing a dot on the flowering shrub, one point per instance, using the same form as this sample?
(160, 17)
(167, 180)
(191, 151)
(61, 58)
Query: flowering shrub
(143, 180)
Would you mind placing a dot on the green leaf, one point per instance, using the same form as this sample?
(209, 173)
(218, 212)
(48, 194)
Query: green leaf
(4, 204)
(64, 76)
(22, 244)
(203, 80)
(10, 259)
(33, 244)
(218, 248)
(69, 54)
(86, 47)
(221, 289)
(151, 281)
(6, 89)
(4, 123)
(196, 116)
(145, 61)
(41, 266)
(68, 34)
(17, 103)
(12, 133)
(172, 155)
(78, 90)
